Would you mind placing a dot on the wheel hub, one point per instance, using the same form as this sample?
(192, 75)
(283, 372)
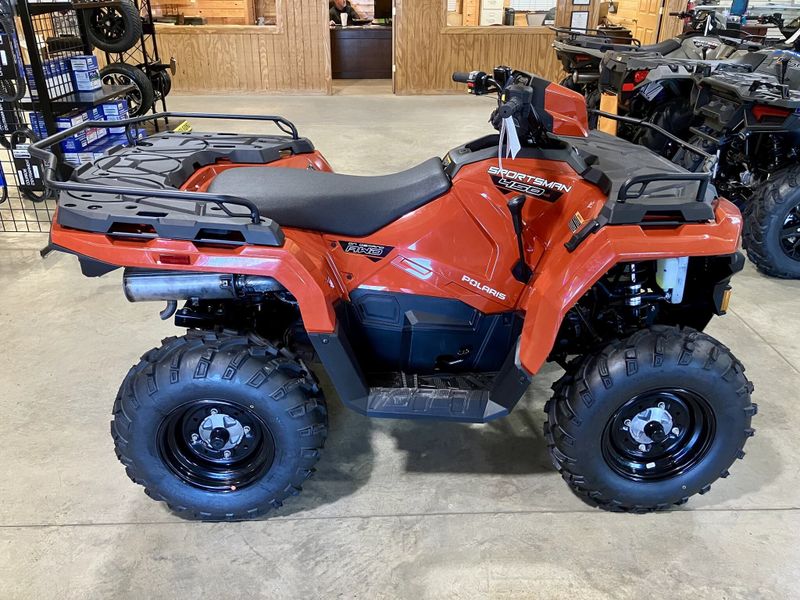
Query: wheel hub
(651, 425)
(658, 434)
(215, 444)
(220, 431)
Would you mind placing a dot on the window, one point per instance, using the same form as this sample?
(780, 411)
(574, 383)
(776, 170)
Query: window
(483, 13)
(214, 12)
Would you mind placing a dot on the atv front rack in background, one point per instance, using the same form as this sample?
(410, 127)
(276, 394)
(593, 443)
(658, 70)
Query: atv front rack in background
(629, 204)
(139, 184)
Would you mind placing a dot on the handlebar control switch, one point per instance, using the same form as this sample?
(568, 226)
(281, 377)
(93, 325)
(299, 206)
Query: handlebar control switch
(478, 82)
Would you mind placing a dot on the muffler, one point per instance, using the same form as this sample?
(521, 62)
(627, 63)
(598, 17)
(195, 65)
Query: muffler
(145, 285)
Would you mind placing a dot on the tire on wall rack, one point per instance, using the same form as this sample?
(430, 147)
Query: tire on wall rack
(113, 28)
(162, 83)
(650, 420)
(772, 225)
(219, 426)
(142, 97)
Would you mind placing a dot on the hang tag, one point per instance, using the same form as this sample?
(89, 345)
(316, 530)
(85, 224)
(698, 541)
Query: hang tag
(513, 147)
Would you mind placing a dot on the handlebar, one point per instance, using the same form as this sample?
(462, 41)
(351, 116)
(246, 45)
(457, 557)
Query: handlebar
(461, 77)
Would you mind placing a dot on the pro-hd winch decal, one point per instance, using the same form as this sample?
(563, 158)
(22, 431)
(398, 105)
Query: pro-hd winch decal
(530, 185)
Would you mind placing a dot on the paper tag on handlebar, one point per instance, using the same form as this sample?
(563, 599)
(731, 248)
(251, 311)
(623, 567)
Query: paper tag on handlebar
(513, 146)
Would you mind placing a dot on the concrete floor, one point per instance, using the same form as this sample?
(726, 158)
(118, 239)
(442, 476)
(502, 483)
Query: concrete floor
(397, 509)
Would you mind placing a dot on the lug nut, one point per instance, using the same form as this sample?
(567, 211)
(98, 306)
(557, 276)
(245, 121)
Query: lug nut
(642, 447)
(213, 411)
(227, 454)
(675, 431)
(195, 437)
(246, 429)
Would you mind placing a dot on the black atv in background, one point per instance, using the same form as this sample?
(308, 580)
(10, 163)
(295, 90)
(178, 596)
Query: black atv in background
(580, 52)
(751, 122)
(656, 86)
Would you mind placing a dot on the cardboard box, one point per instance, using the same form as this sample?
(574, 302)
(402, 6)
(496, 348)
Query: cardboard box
(116, 110)
(87, 81)
(83, 62)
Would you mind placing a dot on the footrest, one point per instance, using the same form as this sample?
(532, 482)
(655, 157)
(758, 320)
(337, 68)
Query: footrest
(450, 404)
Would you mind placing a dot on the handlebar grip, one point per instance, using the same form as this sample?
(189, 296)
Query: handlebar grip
(507, 109)
(676, 14)
(461, 77)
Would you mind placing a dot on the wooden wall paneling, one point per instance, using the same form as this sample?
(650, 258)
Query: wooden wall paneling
(427, 51)
(292, 57)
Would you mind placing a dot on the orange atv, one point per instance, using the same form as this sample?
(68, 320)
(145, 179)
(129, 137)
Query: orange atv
(435, 293)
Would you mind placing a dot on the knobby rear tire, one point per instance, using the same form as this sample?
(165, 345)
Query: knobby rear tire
(275, 386)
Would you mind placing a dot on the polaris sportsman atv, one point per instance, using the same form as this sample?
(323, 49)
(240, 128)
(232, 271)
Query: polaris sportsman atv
(751, 121)
(434, 293)
(655, 86)
(581, 52)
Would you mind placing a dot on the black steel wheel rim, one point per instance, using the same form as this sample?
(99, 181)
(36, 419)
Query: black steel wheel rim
(691, 434)
(790, 234)
(108, 23)
(223, 468)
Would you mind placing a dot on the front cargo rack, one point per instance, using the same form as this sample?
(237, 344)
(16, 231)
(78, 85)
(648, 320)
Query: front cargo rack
(628, 202)
(133, 191)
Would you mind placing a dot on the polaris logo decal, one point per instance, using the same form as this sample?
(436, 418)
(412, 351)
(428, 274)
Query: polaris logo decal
(484, 288)
(374, 252)
(530, 185)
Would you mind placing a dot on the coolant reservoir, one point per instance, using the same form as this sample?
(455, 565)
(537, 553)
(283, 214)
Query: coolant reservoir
(671, 277)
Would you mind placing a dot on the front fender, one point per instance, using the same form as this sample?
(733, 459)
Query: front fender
(562, 277)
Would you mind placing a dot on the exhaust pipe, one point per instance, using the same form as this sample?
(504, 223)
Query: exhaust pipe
(146, 285)
(585, 77)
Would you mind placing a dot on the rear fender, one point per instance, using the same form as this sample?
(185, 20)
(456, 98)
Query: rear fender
(562, 278)
(301, 265)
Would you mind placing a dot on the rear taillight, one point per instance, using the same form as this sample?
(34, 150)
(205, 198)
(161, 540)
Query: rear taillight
(762, 111)
(638, 77)
(174, 259)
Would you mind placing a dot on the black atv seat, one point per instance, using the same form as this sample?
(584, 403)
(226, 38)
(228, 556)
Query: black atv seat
(664, 47)
(333, 203)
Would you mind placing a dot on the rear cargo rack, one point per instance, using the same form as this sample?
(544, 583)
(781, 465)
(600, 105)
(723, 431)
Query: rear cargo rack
(598, 34)
(93, 199)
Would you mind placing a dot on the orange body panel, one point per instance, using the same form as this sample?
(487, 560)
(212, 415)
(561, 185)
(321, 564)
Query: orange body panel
(460, 246)
(568, 109)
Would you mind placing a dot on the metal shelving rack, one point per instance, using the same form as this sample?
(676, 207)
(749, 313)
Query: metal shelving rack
(144, 54)
(25, 205)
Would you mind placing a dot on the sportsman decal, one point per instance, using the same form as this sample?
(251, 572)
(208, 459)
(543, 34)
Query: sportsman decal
(530, 185)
